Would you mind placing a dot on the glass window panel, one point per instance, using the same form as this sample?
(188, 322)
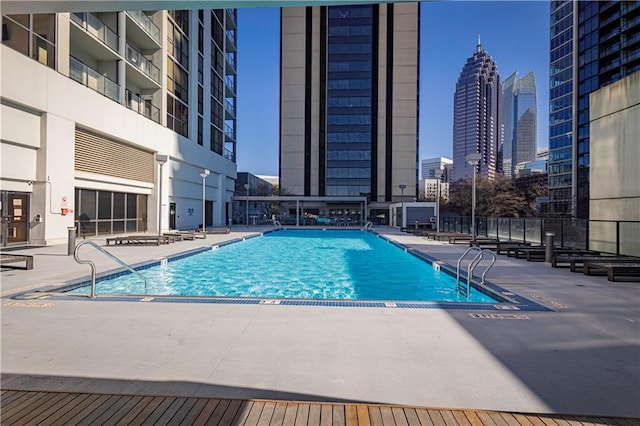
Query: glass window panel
(130, 225)
(88, 203)
(45, 26)
(118, 205)
(104, 227)
(15, 37)
(131, 206)
(118, 226)
(104, 205)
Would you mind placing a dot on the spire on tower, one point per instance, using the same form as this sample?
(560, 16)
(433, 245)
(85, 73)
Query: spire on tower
(479, 47)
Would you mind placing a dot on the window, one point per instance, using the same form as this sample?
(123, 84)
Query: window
(17, 30)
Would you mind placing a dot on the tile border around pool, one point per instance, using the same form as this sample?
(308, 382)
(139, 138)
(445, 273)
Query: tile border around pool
(513, 301)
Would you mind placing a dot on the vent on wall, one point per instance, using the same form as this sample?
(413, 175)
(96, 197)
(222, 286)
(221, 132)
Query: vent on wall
(97, 154)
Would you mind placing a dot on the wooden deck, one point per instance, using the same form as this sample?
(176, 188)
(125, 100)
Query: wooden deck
(60, 408)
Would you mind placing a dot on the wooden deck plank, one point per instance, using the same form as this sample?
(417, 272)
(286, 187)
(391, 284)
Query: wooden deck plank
(75, 399)
(114, 412)
(206, 411)
(448, 417)
(326, 414)
(217, 414)
(338, 415)
(363, 415)
(128, 406)
(190, 417)
(267, 413)
(8, 396)
(302, 415)
(536, 421)
(186, 408)
(45, 407)
(510, 419)
(158, 411)
(55, 409)
(424, 417)
(136, 410)
(254, 414)
(232, 411)
(485, 418)
(375, 415)
(350, 415)
(412, 416)
(387, 416)
(98, 411)
(290, 414)
(243, 413)
(172, 409)
(27, 406)
(278, 413)
(314, 414)
(460, 417)
(81, 410)
(399, 416)
(498, 419)
(436, 417)
(523, 419)
(19, 403)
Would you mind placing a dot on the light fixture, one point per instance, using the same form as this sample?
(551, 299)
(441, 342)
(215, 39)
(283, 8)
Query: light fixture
(247, 186)
(203, 174)
(161, 159)
(473, 160)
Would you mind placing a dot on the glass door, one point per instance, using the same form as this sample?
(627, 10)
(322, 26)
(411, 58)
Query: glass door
(14, 209)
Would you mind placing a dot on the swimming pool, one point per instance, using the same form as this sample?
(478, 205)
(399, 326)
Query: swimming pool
(300, 264)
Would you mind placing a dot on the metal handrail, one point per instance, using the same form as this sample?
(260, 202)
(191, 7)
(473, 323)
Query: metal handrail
(368, 226)
(474, 248)
(93, 265)
(277, 224)
(493, 261)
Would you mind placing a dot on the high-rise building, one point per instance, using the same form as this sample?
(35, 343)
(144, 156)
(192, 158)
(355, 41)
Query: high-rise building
(520, 118)
(477, 116)
(593, 44)
(430, 165)
(349, 101)
(108, 119)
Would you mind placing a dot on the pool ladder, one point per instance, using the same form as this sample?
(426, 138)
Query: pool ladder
(93, 265)
(472, 265)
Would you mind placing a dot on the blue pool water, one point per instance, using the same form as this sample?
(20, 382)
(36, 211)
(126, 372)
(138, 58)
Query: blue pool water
(309, 264)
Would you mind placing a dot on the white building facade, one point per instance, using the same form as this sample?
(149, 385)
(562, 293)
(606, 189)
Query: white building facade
(89, 99)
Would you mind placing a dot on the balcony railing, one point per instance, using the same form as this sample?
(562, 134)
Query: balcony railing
(231, 59)
(231, 108)
(231, 35)
(229, 131)
(94, 26)
(93, 79)
(146, 23)
(136, 59)
(139, 105)
(229, 155)
(230, 82)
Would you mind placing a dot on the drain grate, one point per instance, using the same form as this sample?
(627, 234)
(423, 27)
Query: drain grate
(500, 316)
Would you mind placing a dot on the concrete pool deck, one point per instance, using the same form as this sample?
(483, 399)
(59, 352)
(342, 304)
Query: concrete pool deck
(581, 358)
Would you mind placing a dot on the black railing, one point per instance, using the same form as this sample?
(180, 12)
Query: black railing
(619, 237)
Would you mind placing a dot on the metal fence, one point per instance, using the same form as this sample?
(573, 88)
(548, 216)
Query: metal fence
(619, 237)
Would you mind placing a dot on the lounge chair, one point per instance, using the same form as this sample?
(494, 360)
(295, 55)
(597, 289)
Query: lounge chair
(613, 269)
(140, 239)
(8, 260)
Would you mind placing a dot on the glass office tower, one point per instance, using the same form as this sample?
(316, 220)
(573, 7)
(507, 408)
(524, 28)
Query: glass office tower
(593, 44)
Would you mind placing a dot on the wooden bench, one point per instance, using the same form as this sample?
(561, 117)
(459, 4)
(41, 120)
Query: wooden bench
(613, 269)
(505, 247)
(9, 259)
(140, 239)
(218, 230)
(491, 243)
(454, 239)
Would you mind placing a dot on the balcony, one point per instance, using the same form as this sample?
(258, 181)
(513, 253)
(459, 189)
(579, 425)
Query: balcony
(230, 62)
(631, 23)
(136, 59)
(232, 18)
(230, 84)
(231, 40)
(146, 24)
(92, 25)
(230, 108)
(628, 6)
(229, 131)
(139, 105)
(626, 42)
(93, 79)
(229, 155)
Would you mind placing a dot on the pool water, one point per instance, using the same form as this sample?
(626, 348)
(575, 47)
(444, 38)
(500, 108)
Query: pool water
(306, 264)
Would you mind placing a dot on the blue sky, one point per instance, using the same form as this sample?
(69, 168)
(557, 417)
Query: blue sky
(515, 33)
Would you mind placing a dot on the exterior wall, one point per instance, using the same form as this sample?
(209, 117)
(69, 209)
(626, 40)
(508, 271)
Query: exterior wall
(292, 93)
(614, 173)
(41, 109)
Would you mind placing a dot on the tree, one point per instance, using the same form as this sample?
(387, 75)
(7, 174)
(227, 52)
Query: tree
(497, 198)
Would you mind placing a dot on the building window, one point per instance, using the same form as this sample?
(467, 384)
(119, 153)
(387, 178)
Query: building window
(106, 212)
(31, 35)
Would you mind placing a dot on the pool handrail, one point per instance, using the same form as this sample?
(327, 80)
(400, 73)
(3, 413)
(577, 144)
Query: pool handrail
(472, 265)
(93, 265)
(473, 248)
(368, 226)
(277, 224)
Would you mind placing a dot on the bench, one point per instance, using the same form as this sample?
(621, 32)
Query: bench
(9, 259)
(218, 230)
(505, 247)
(454, 239)
(626, 269)
(140, 239)
(491, 243)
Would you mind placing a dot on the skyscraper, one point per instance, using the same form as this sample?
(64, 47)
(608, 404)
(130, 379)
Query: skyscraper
(607, 49)
(520, 115)
(110, 91)
(477, 116)
(430, 165)
(349, 102)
